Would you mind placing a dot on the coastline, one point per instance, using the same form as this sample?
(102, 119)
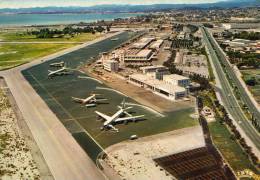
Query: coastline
(62, 18)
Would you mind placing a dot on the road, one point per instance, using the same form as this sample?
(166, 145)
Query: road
(233, 77)
(230, 101)
(63, 155)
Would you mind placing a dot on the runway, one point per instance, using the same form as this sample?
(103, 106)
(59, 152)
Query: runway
(63, 155)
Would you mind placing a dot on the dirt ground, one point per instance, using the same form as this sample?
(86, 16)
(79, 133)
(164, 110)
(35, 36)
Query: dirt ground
(16, 161)
(133, 160)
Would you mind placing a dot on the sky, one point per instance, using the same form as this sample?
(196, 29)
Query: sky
(43, 3)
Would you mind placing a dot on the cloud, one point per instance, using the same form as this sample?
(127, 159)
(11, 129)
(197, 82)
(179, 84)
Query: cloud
(41, 3)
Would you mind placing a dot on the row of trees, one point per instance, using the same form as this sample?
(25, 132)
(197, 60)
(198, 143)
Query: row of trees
(182, 43)
(51, 33)
(247, 59)
(236, 135)
(223, 117)
(247, 35)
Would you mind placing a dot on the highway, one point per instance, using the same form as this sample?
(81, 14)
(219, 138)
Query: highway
(229, 99)
(233, 77)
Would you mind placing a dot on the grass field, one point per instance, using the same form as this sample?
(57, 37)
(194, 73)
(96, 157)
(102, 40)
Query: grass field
(229, 148)
(247, 74)
(12, 55)
(23, 36)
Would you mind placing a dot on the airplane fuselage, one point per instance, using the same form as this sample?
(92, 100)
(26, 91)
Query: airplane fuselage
(56, 72)
(114, 117)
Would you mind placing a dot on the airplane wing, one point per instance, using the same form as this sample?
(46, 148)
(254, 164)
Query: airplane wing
(76, 99)
(98, 100)
(102, 115)
(128, 118)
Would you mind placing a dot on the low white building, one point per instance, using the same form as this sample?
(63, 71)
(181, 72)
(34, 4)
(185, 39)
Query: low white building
(142, 43)
(111, 65)
(157, 44)
(161, 88)
(177, 80)
(154, 68)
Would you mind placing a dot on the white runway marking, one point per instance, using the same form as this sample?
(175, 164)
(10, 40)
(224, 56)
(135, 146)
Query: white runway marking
(147, 108)
(109, 89)
(85, 77)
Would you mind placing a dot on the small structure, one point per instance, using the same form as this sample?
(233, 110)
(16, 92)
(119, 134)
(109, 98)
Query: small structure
(111, 65)
(208, 114)
(167, 45)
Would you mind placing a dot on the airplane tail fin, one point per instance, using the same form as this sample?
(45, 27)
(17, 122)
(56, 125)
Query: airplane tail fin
(123, 104)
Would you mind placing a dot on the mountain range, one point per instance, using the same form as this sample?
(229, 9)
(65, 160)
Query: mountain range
(134, 8)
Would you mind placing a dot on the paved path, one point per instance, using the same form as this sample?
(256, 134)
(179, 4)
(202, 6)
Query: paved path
(65, 158)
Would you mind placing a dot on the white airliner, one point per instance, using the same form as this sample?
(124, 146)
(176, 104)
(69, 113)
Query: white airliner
(58, 64)
(90, 101)
(110, 120)
(62, 71)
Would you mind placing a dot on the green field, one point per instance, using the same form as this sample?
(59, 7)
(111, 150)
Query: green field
(247, 74)
(229, 148)
(12, 55)
(23, 36)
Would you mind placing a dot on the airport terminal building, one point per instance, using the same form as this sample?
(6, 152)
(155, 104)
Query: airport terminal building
(167, 90)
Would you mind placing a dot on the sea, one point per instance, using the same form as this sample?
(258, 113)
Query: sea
(51, 19)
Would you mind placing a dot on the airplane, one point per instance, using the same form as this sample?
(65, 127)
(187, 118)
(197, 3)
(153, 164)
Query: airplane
(110, 120)
(62, 71)
(90, 101)
(58, 64)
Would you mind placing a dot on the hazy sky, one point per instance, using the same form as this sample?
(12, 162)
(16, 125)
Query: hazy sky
(41, 3)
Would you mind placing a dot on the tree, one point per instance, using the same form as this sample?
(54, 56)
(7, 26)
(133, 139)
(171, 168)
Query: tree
(99, 29)
(251, 81)
(108, 28)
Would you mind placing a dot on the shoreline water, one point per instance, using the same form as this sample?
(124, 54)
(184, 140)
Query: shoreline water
(50, 19)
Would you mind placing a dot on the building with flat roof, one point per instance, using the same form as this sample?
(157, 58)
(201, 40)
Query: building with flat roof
(156, 71)
(161, 88)
(111, 65)
(149, 69)
(143, 43)
(177, 80)
(157, 44)
(135, 55)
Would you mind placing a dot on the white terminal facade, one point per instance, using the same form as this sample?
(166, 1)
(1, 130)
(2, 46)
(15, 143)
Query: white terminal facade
(171, 86)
